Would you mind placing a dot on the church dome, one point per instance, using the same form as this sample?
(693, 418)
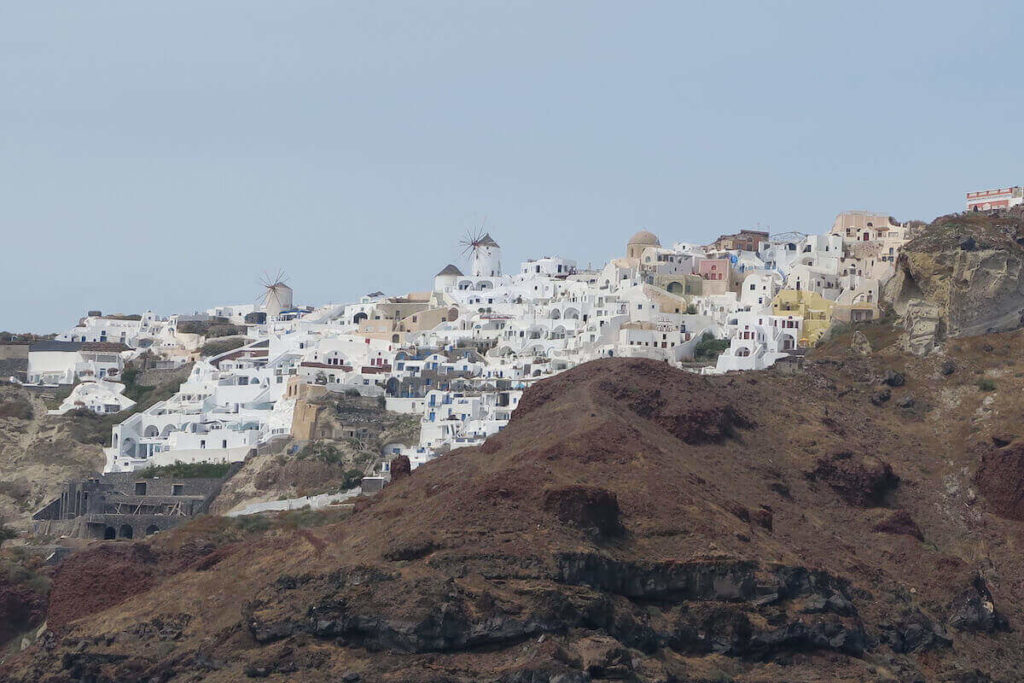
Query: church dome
(646, 238)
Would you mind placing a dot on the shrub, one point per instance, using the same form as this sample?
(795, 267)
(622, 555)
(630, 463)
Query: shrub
(219, 346)
(353, 478)
(986, 384)
(691, 309)
(225, 331)
(6, 534)
(18, 408)
(709, 348)
(318, 450)
(190, 470)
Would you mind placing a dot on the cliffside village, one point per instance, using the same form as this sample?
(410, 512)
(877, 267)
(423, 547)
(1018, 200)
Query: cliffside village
(460, 354)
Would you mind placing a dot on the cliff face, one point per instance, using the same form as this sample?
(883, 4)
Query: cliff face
(632, 522)
(961, 277)
(39, 453)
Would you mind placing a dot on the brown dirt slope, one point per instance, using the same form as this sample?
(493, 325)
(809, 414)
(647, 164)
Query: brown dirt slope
(38, 454)
(632, 522)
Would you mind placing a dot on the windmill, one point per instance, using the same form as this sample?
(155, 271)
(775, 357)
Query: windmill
(483, 252)
(276, 295)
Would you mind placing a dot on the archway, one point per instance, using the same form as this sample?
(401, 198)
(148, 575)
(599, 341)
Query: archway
(152, 529)
(675, 288)
(359, 317)
(125, 531)
(109, 533)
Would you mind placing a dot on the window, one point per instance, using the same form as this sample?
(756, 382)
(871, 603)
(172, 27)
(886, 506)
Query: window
(140, 488)
(178, 490)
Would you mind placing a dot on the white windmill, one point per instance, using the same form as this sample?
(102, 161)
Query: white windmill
(484, 254)
(277, 296)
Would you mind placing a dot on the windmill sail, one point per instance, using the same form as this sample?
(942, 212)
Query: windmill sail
(277, 296)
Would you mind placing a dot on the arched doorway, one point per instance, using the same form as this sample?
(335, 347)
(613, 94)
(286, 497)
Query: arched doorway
(675, 288)
(151, 529)
(126, 531)
(109, 533)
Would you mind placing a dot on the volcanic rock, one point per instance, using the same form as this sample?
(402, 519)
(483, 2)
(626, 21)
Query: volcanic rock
(961, 276)
(596, 536)
(864, 481)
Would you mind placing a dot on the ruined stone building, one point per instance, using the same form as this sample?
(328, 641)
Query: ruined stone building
(125, 505)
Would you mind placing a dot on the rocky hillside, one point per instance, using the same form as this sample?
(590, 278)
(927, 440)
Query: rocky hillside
(855, 522)
(961, 276)
(348, 433)
(38, 453)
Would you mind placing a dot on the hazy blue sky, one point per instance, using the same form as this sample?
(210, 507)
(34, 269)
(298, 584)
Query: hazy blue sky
(162, 155)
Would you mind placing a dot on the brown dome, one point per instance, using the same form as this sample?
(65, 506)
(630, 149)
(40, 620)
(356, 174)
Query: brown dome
(646, 238)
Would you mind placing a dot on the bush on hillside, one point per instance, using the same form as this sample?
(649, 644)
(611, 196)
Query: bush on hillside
(6, 534)
(19, 408)
(709, 348)
(219, 346)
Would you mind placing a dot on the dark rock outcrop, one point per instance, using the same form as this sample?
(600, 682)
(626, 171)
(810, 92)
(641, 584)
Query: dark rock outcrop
(589, 508)
(915, 633)
(880, 397)
(20, 608)
(400, 467)
(863, 481)
(901, 523)
(894, 379)
(974, 610)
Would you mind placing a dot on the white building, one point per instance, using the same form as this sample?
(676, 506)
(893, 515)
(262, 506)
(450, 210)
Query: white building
(1000, 198)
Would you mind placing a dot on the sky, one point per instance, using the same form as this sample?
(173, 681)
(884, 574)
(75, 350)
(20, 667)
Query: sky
(163, 156)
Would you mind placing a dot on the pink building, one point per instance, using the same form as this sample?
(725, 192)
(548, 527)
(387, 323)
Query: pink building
(714, 269)
(986, 200)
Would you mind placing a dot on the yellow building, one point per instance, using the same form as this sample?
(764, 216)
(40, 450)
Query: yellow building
(815, 310)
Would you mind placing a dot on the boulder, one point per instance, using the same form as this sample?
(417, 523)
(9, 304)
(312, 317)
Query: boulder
(894, 379)
(973, 610)
(860, 345)
(915, 633)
